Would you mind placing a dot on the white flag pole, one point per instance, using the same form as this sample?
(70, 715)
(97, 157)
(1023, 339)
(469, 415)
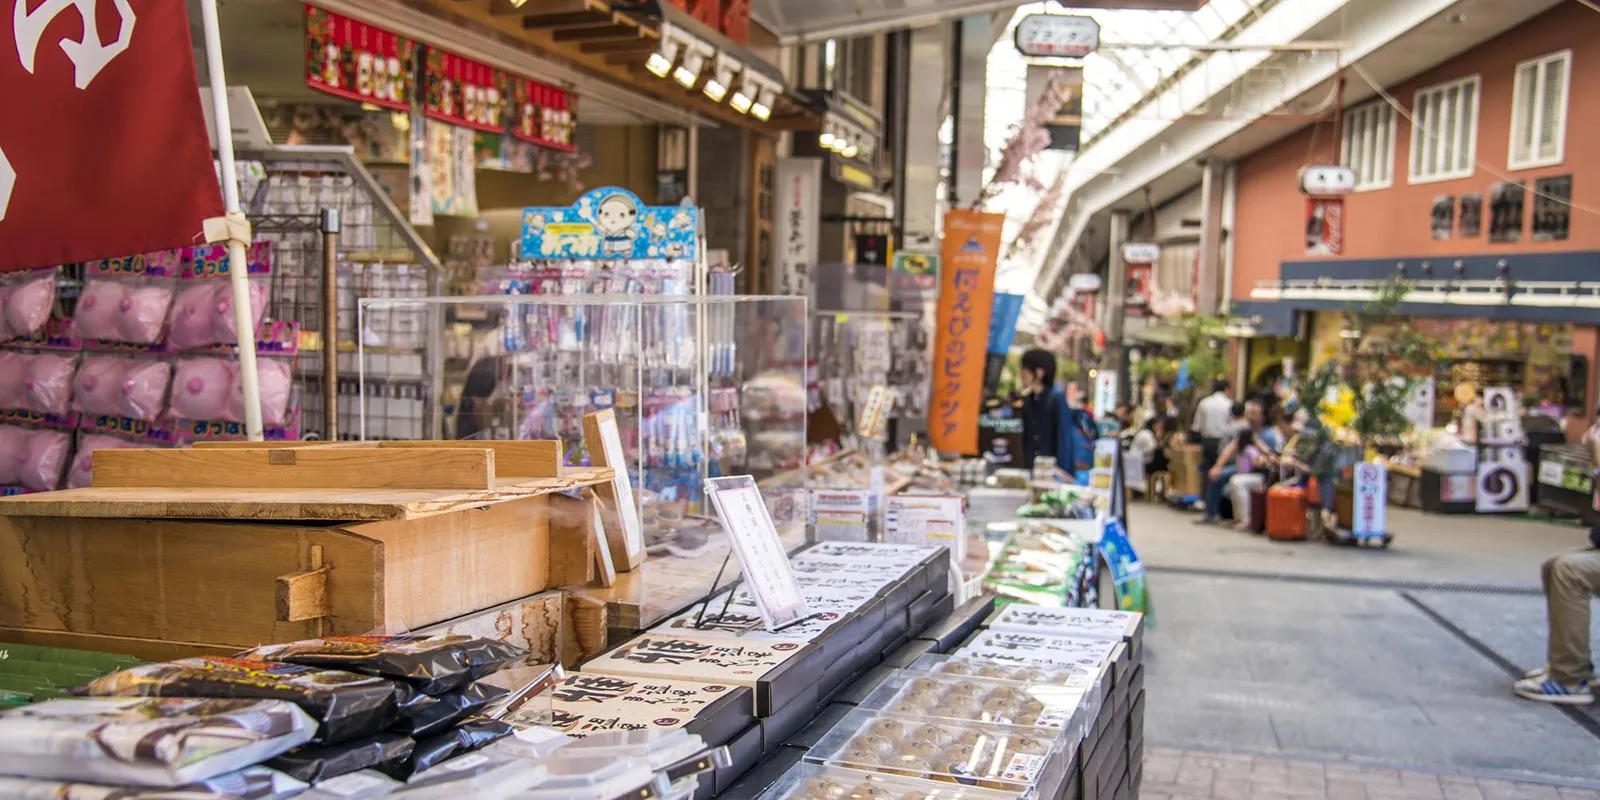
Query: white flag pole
(234, 227)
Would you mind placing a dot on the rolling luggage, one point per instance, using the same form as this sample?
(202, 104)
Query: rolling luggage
(1286, 513)
(1258, 510)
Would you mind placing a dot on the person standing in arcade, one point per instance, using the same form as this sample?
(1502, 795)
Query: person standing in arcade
(1051, 427)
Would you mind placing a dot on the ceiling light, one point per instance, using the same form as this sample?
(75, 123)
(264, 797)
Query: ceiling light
(694, 59)
(721, 78)
(826, 139)
(762, 108)
(660, 62)
(740, 102)
(745, 96)
(850, 150)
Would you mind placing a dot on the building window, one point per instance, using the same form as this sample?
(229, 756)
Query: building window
(1539, 111)
(1369, 145)
(1444, 131)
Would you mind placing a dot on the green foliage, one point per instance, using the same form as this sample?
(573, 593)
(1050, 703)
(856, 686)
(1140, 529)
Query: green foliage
(1386, 359)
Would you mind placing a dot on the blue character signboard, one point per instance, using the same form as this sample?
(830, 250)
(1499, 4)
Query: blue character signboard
(610, 223)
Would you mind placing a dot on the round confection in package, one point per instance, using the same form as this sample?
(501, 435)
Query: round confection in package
(276, 381)
(99, 309)
(97, 387)
(144, 389)
(28, 306)
(254, 783)
(347, 706)
(193, 317)
(48, 383)
(44, 460)
(143, 314)
(82, 471)
(13, 451)
(13, 374)
(146, 741)
(226, 330)
(201, 388)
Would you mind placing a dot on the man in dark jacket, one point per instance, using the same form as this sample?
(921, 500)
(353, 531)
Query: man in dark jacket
(1050, 425)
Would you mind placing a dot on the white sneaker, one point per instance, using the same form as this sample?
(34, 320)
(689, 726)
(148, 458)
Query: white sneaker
(1536, 674)
(1554, 692)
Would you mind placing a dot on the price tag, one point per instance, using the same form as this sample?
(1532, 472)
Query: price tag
(767, 573)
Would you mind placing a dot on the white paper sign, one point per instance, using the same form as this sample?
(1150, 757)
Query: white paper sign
(1370, 500)
(767, 572)
(926, 519)
(841, 514)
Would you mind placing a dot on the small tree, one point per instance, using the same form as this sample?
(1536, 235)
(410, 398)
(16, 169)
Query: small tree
(1203, 358)
(1386, 358)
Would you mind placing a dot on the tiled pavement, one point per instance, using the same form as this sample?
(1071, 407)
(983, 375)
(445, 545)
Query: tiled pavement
(1189, 775)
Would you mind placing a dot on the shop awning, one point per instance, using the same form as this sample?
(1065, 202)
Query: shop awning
(801, 21)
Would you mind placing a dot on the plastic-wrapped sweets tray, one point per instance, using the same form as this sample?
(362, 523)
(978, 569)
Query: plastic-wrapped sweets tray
(146, 741)
(1062, 710)
(255, 783)
(477, 775)
(1027, 762)
(961, 666)
(818, 782)
(596, 778)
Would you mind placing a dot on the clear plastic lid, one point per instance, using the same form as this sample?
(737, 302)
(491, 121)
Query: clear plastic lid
(482, 776)
(963, 666)
(1026, 761)
(1059, 709)
(573, 777)
(820, 782)
(659, 748)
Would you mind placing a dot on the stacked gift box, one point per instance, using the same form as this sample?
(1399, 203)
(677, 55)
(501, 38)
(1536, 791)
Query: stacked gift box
(715, 671)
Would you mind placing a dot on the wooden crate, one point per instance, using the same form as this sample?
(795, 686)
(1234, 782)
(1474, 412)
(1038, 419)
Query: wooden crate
(351, 540)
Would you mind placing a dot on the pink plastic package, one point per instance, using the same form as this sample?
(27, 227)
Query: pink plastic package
(13, 449)
(99, 308)
(28, 305)
(193, 322)
(226, 331)
(144, 390)
(275, 385)
(44, 458)
(47, 383)
(143, 313)
(97, 388)
(13, 372)
(82, 471)
(202, 388)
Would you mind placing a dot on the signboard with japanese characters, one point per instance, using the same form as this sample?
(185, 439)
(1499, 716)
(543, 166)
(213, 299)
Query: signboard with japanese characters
(841, 514)
(357, 61)
(763, 560)
(970, 253)
(584, 705)
(1057, 36)
(1015, 647)
(1085, 623)
(1370, 500)
(610, 223)
(795, 224)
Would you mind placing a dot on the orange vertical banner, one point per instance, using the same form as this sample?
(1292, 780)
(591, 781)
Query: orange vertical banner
(970, 251)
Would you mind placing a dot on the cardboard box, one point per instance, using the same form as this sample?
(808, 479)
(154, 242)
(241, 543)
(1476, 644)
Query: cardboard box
(927, 609)
(585, 704)
(1076, 623)
(785, 722)
(779, 672)
(1183, 479)
(960, 624)
(1035, 650)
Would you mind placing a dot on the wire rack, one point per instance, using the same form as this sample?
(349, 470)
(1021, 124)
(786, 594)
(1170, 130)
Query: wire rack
(286, 191)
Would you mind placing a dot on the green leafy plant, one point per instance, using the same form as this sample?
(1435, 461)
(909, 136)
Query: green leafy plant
(1386, 358)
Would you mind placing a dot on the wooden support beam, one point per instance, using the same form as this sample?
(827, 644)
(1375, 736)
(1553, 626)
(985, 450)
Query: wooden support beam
(512, 459)
(609, 33)
(296, 468)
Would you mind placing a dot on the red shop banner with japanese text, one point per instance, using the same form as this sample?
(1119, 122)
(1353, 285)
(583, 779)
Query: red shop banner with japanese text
(546, 116)
(969, 254)
(103, 148)
(357, 61)
(463, 92)
(1324, 226)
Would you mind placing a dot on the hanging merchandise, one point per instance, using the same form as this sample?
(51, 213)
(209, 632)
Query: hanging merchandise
(464, 92)
(545, 116)
(357, 61)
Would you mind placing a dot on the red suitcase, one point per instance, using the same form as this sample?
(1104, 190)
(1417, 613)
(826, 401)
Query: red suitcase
(1286, 513)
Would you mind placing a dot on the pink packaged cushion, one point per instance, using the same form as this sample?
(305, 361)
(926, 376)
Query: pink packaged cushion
(143, 313)
(193, 321)
(28, 306)
(201, 388)
(48, 383)
(82, 471)
(44, 459)
(98, 310)
(97, 388)
(13, 372)
(144, 389)
(13, 449)
(275, 385)
(227, 332)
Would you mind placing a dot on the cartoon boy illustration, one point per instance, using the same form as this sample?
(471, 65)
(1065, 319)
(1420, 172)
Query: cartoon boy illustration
(615, 220)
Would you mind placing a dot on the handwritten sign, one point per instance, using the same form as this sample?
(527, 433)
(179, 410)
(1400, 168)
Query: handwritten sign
(966, 301)
(357, 61)
(798, 191)
(768, 576)
(464, 92)
(605, 450)
(610, 223)
(875, 413)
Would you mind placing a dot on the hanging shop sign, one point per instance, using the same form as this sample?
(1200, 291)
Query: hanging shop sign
(1064, 122)
(88, 105)
(1141, 258)
(464, 92)
(916, 272)
(1057, 36)
(351, 59)
(610, 223)
(545, 116)
(796, 223)
(1325, 226)
(971, 250)
(1326, 181)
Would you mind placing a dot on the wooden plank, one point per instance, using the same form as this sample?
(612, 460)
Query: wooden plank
(296, 468)
(627, 552)
(605, 568)
(504, 8)
(147, 649)
(567, 20)
(324, 505)
(303, 595)
(537, 458)
(635, 47)
(299, 444)
(571, 551)
(598, 34)
(183, 581)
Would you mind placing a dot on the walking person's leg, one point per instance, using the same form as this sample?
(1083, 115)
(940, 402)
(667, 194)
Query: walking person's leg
(1570, 579)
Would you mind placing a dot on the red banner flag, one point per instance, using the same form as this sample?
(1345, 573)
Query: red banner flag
(103, 148)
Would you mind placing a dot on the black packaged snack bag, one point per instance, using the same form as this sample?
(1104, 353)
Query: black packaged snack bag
(345, 705)
(421, 715)
(386, 751)
(430, 664)
(465, 738)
